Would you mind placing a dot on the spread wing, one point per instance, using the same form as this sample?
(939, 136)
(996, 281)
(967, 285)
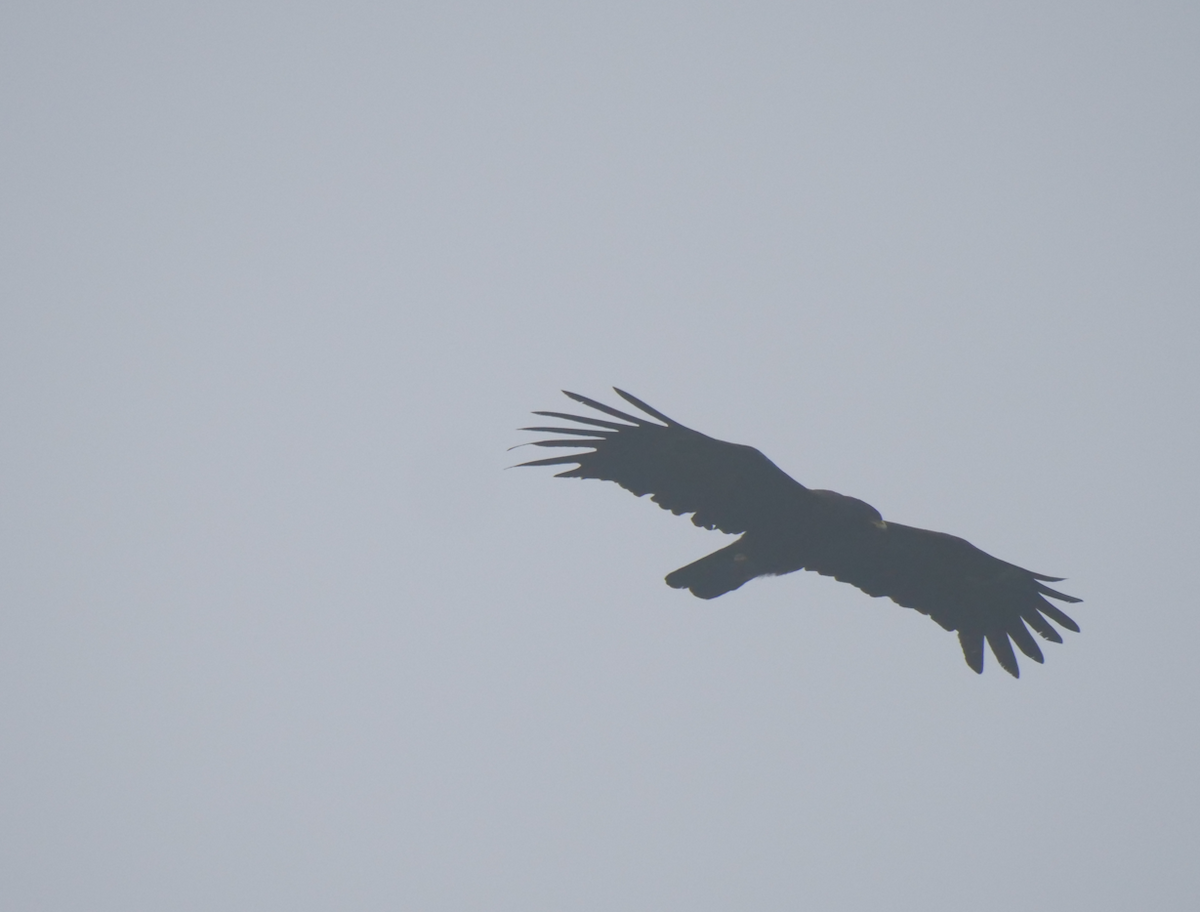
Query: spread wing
(736, 489)
(725, 486)
(956, 584)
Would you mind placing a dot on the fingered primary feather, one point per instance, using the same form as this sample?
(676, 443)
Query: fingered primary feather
(549, 461)
(1025, 641)
(565, 443)
(645, 408)
(1002, 649)
(1054, 593)
(972, 647)
(601, 407)
(1057, 616)
(582, 420)
(1034, 619)
(579, 432)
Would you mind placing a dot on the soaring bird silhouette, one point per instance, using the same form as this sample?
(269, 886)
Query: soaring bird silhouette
(785, 527)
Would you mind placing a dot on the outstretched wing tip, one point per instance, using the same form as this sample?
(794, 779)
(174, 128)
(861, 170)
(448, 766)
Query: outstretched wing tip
(726, 486)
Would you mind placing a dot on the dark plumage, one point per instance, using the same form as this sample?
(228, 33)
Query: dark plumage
(785, 527)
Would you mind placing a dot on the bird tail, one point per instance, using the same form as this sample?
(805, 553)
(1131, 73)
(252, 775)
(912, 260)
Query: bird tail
(718, 573)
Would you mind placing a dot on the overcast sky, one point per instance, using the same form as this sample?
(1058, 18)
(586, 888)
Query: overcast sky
(280, 281)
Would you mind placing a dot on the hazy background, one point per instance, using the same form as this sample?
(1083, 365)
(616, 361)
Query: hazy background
(279, 281)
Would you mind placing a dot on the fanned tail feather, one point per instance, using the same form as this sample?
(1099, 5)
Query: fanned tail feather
(713, 575)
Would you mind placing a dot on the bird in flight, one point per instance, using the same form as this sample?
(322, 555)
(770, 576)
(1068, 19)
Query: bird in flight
(785, 527)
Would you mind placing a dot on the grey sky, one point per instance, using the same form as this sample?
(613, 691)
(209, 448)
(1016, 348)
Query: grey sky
(280, 280)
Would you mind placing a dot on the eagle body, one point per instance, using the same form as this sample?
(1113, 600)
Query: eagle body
(784, 527)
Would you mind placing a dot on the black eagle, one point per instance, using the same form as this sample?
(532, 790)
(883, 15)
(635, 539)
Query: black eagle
(785, 527)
